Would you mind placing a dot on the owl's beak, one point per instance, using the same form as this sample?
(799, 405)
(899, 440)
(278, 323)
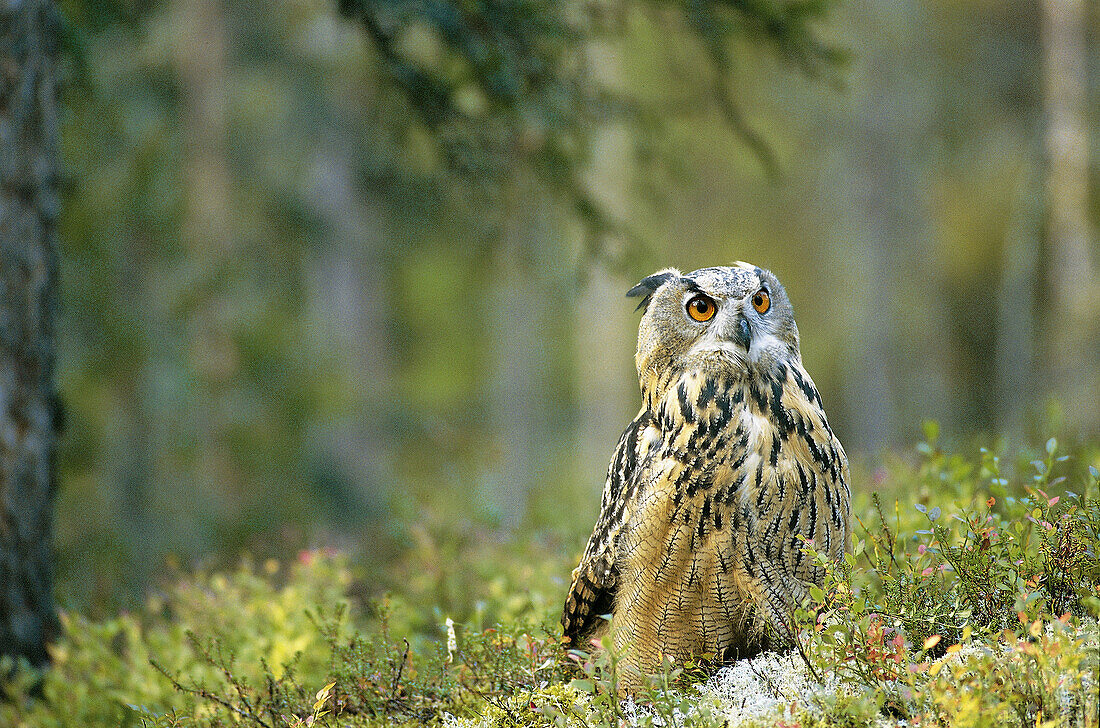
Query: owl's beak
(742, 334)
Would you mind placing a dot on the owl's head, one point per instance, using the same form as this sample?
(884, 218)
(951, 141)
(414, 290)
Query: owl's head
(732, 319)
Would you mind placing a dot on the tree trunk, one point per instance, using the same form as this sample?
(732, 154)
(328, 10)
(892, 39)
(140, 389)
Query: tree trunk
(207, 232)
(1016, 325)
(29, 407)
(516, 386)
(890, 210)
(605, 323)
(1074, 330)
(349, 299)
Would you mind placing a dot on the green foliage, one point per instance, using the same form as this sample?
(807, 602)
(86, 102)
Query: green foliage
(667, 698)
(278, 325)
(501, 86)
(188, 357)
(254, 626)
(978, 610)
(981, 611)
(475, 577)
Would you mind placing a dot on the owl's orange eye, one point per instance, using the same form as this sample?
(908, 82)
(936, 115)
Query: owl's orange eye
(761, 301)
(701, 308)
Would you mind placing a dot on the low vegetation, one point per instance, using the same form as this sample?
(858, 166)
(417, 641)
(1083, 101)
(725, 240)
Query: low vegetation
(970, 598)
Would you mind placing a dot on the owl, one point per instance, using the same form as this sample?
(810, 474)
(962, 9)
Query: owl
(718, 485)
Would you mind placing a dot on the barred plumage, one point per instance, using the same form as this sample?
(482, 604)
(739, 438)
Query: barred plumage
(717, 484)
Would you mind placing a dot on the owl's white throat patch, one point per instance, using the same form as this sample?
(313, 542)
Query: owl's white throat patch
(763, 342)
(729, 350)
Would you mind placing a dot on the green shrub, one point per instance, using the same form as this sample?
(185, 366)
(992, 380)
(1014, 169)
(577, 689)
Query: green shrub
(982, 614)
(972, 603)
(255, 621)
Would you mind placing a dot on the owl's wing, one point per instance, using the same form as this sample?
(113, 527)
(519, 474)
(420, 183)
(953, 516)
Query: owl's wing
(595, 580)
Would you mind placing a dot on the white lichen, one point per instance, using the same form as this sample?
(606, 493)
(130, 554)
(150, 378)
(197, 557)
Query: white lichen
(780, 689)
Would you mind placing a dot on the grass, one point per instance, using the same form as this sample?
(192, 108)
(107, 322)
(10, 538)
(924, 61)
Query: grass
(970, 598)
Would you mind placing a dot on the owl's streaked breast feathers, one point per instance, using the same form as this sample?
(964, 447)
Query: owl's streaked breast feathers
(718, 484)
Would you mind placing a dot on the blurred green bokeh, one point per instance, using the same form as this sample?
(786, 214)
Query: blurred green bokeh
(289, 321)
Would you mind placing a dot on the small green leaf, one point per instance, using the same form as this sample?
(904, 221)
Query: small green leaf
(934, 513)
(1052, 445)
(586, 685)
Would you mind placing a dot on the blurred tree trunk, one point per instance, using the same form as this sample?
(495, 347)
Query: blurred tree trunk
(1074, 330)
(349, 295)
(606, 384)
(201, 62)
(605, 323)
(521, 335)
(894, 274)
(202, 48)
(29, 407)
(1015, 364)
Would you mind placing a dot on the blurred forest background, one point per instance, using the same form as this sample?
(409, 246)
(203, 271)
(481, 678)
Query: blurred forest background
(333, 273)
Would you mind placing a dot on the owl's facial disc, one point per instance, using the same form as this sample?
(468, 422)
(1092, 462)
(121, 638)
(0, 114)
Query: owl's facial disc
(726, 318)
(752, 325)
(726, 332)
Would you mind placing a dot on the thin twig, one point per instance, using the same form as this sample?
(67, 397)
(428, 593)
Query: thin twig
(397, 677)
(736, 120)
(798, 646)
(205, 694)
(885, 530)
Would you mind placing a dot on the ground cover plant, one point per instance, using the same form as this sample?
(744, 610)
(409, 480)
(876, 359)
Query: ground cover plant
(970, 598)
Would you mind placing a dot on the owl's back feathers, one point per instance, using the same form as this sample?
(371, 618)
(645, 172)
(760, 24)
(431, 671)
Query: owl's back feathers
(595, 580)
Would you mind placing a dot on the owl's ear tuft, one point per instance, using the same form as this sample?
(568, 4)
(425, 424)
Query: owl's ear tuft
(649, 285)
